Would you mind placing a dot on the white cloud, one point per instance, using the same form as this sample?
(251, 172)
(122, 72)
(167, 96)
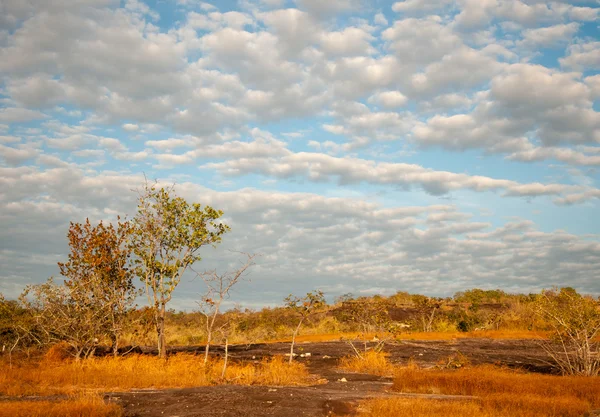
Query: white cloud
(550, 36)
(349, 42)
(582, 56)
(320, 167)
(328, 8)
(321, 241)
(389, 99)
(131, 127)
(95, 85)
(421, 41)
(17, 115)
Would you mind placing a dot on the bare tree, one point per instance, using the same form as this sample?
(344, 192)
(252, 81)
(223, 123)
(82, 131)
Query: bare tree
(168, 233)
(60, 315)
(217, 290)
(304, 307)
(575, 323)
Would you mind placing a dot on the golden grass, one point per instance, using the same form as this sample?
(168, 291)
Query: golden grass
(500, 392)
(84, 406)
(489, 380)
(138, 371)
(371, 362)
(497, 406)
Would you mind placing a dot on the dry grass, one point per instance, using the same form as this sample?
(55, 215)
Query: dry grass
(495, 406)
(371, 362)
(500, 392)
(84, 406)
(489, 380)
(138, 371)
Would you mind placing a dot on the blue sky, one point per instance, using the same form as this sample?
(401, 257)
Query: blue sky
(424, 146)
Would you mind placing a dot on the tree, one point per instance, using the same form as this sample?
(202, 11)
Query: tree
(59, 315)
(98, 276)
(303, 307)
(218, 287)
(16, 326)
(167, 235)
(575, 323)
(426, 308)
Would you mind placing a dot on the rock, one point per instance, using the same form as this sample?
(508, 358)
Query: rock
(342, 380)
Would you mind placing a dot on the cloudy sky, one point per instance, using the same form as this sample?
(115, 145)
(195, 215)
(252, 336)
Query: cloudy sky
(360, 146)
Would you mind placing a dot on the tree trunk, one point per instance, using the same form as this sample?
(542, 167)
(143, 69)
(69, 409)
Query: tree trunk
(160, 332)
(294, 340)
(226, 355)
(207, 347)
(115, 344)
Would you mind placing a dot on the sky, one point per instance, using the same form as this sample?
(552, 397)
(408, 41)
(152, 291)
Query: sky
(359, 146)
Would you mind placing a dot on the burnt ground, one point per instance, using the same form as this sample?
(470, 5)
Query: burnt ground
(334, 396)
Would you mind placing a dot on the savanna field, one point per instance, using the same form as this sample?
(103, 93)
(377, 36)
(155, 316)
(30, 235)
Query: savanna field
(501, 366)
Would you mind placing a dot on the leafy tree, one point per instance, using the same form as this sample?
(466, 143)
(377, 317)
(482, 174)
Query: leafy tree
(303, 307)
(370, 314)
(97, 273)
(97, 292)
(167, 235)
(575, 323)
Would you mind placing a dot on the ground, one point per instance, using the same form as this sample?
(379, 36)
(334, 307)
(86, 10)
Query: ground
(323, 399)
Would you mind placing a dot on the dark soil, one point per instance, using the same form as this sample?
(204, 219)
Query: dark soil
(334, 397)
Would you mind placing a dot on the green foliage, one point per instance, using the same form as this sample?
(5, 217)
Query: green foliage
(167, 234)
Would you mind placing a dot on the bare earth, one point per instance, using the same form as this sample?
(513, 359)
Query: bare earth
(334, 397)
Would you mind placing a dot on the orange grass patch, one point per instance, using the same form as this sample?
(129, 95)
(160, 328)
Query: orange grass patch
(500, 392)
(528, 406)
(488, 380)
(371, 362)
(138, 371)
(87, 406)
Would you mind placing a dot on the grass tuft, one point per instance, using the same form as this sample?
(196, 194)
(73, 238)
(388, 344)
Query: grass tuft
(371, 362)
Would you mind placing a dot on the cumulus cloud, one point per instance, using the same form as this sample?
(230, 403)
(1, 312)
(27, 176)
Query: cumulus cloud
(344, 242)
(94, 92)
(320, 167)
(582, 56)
